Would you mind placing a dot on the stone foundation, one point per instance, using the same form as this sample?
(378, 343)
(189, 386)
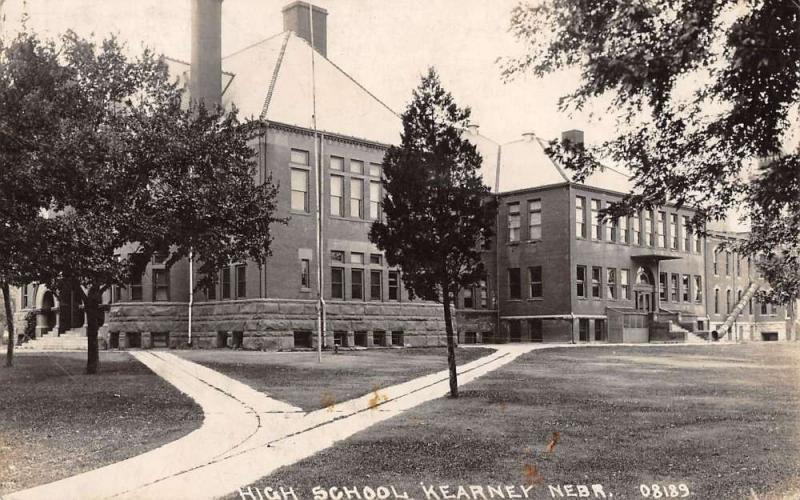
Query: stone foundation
(273, 324)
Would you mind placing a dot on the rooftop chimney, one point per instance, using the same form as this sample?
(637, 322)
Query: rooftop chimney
(473, 128)
(296, 18)
(205, 81)
(574, 136)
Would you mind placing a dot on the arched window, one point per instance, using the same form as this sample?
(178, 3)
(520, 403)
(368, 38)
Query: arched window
(716, 301)
(716, 261)
(727, 301)
(642, 278)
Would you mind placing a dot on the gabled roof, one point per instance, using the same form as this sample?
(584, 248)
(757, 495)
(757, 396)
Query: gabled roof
(273, 81)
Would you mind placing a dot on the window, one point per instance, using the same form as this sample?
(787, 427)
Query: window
(375, 170)
(376, 258)
(337, 163)
(648, 227)
(636, 229)
(716, 301)
(599, 330)
(513, 222)
(611, 283)
(515, 331)
(374, 200)
(357, 198)
(305, 274)
(337, 195)
(738, 296)
(376, 285)
(25, 296)
(468, 302)
(397, 339)
(750, 306)
(357, 166)
(738, 265)
(299, 157)
(302, 339)
(661, 229)
(357, 284)
(535, 219)
(727, 263)
(136, 288)
(580, 281)
(764, 308)
(611, 230)
(394, 285)
(715, 262)
(624, 230)
(597, 292)
(299, 190)
(685, 288)
(337, 282)
(662, 286)
(514, 291)
(625, 284)
(580, 217)
(673, 287)
(211, 290)
(241, 281)
(535, 329)
(356, 258)
(337, 256)
(698, 245)
(674, 237)
(160, 285)
(535, 274)
(583, 330)
(226, 282)
(597, 228)
(483, 294)
(687, 235)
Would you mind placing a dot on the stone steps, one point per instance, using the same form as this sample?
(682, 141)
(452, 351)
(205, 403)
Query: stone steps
(68, 341)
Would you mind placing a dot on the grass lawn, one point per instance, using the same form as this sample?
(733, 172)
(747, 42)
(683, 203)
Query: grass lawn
(56, 422)
(298, 378)
(720, 419)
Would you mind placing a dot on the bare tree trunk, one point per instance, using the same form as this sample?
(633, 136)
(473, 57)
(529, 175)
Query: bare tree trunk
(9, 325)
(91, 304)
(451, 349)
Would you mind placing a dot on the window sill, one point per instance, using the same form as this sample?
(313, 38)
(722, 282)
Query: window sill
(535, 299)
(539, 240)
(351, 219)
(299, 212)
(513, 243)
(514, 300)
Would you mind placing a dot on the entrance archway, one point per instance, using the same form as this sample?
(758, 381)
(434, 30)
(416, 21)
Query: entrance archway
(644, 290)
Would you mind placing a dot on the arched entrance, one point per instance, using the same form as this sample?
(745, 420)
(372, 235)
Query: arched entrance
(644, 290)
(70, 310)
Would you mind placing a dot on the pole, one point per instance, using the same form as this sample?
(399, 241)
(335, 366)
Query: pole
(318, 186)
(191, 292)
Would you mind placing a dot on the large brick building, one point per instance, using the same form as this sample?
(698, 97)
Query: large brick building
(555, 273)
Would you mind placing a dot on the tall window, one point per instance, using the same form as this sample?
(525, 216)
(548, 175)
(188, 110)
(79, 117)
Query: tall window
(468, 302)
(580, 217)
(484, 298)
(513, 222)
(716, 301)
(715, 262)
(535, 219)
(624, 284)
(687, 235)
(514, 288)
(580, 281)
(300, 190)
(337, 163)
(686, 293)
(698, 289)
(698, 244)
(738, 263)
(299, 157)
(337, 282)
(136, 288)
(305, 274)
(25, 296)
(374, 200)
(738, 297)
(337, 195)
(636, 229)
(535, 274)
(764, 308)
(674, 237)
(611, 230)
(662, 286)
(394, 285)
(376, 285)
(611, 283)
(728, 306)
(624, 229)
(727, 263)
(673, 288)
(661, 228)
(597, 228)
(357, 166)
(160, 285)
(211, 290)
(241, 281)
(357, 198)
(226, 282)
(596, 276)
(648, 227)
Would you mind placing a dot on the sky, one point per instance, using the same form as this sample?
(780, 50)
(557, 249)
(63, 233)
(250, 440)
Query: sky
(384, 44)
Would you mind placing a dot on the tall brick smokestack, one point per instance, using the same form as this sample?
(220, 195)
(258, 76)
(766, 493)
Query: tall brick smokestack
(205, 81)
(296, 18)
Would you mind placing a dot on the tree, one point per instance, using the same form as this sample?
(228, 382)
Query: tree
(437, 209)
(140, 175)
(701, 89)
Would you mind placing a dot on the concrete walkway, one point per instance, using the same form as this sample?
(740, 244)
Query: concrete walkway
(246, 435)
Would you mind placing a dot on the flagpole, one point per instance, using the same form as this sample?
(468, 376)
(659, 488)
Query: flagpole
(318, 186)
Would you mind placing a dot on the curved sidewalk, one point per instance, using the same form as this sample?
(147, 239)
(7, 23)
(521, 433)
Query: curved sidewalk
(246, 435)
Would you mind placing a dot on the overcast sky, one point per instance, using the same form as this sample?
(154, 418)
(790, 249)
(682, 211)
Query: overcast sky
(385, 44)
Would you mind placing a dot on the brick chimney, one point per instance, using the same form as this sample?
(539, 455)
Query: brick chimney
(205, 81)
(295, 18)
(574, 136)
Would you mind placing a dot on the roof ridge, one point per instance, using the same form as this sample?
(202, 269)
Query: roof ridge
(243, 49)
(555, 163)
(274, 78)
